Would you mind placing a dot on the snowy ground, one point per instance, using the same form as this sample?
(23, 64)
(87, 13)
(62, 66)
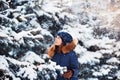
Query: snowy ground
(28, 27)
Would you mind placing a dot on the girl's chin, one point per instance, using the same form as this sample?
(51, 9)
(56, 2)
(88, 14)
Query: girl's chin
(57, 45)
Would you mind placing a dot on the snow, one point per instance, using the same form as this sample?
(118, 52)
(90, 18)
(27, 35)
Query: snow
(31, 57)
(103, 43)
(117, 53)
(113, 60)
(29, 72)
(81, 32)
(3, 35)
(100, 65)
(50, 8)
(117, 46)
(89, 57)
(109, 51)
(20, 35)
(80, 49)
(3, 63)
(71, 16)
(93, 79)
(104, 70)
(118, 74)
(27, 69)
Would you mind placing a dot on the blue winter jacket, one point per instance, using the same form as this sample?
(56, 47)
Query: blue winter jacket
(70, 61)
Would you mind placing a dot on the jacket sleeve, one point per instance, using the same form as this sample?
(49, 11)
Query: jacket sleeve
(51, 51)
(74, 65)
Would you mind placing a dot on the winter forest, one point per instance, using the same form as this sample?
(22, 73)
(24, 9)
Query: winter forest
(28, 28)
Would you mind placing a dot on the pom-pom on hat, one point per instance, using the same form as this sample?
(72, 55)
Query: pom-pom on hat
(66, 37)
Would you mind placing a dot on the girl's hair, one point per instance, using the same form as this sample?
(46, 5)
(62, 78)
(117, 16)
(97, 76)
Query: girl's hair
(58, 49)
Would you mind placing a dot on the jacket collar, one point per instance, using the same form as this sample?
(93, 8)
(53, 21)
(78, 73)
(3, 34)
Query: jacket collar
(69, 46)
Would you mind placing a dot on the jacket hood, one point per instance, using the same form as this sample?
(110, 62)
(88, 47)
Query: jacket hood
(65, 49)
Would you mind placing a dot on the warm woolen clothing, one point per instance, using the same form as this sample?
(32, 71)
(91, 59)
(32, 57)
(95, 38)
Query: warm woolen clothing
(66, 37)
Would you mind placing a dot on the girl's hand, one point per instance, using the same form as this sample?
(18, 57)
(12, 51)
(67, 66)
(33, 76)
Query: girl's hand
(68, 74)
(51, 51)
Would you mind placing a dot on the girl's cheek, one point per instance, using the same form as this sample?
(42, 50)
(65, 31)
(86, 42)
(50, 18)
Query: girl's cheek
(57, 42)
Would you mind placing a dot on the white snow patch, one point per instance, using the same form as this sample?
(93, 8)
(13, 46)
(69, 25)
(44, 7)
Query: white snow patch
(118, 74)
(104, 70)
(50, 8)
(3, 63)
(113, 60)
(90, 57)
(3, 35)
(92, 79)
(117, 53)
(31, 57)
(102, 43)
(28, 72)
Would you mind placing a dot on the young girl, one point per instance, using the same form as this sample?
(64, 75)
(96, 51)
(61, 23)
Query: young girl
(62, 53)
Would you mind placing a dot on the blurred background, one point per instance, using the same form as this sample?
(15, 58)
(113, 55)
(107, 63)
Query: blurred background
(28, 28)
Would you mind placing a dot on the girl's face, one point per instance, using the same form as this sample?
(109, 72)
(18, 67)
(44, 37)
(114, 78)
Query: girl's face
(58, 41)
